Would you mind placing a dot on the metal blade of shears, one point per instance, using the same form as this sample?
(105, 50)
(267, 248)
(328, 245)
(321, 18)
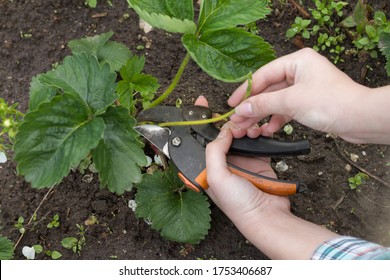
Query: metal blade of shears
(156, 135)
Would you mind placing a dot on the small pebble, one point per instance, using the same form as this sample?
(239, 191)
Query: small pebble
(281, 166)
(354, 157)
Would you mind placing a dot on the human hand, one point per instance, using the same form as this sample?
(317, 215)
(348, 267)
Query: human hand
(262, 218)
(235, 196)
(306, 87)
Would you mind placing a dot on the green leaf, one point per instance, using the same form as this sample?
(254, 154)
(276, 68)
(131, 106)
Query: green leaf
(119, 154)
(113, 53)
(132, 77)
(145, 83)
(182, 216)
(364, 41)
(380, 18)
(349, 22)
(55, 138)
(223, 14)
(371, 31)
(38, 249)
(360, 16)
(40, 93)
(55, 255)
(133, 66)
(216, 55)
(290, 33)
(384, 46)
(69, 242)
(91, 3)
(6, 248)
(89, 45)
(81, 75)
(306, 34)
(170, 15)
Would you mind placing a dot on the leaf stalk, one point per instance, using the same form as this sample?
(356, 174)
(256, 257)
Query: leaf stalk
(212, 120)
(174, 83)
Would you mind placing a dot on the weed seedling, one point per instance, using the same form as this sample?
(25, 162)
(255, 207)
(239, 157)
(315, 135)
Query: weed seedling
(73, 243)
(300, 26)
(20, 225)
(366, 29)
(55, 222)
(330, 38)
(357, 180)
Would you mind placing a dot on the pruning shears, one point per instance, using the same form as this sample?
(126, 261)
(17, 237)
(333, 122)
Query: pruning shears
(185, 147)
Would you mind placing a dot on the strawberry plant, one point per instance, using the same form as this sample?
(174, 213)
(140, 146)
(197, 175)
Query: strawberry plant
(215, 41)
(84, 109)
(6, 248)
(179, 214)
(73, 115)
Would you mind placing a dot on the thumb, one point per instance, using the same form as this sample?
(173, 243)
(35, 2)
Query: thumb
(216, 156)
(264, 104)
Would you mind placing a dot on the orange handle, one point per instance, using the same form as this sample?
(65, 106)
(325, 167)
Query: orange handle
(265, 184)
(268, 185)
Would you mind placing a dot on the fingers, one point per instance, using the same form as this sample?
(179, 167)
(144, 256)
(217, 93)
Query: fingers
(256, 165)
(216, 156)
(275, 75)
(202, 101)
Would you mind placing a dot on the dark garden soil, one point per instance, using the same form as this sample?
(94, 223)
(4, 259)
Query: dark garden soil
(117, 232)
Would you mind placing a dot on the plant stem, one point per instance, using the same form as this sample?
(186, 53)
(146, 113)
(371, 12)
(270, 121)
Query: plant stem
(173, 85)
(216, 119)
(198, 122)
(33, 215)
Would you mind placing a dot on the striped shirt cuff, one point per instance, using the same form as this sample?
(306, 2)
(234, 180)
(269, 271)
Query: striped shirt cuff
(350, 248)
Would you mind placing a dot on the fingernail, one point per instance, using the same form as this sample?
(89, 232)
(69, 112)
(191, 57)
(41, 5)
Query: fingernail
(224, 131)
(244, 109)
(255, 127)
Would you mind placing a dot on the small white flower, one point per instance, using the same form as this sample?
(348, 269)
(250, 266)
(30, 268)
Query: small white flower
(3, 157)
(132, 205)
(28, 252)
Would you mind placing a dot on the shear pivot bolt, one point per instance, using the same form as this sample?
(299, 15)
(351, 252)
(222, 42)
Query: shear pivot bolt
(204, 116)
(176, 141)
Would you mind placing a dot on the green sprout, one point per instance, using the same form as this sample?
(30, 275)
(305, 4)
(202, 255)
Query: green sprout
(357, 180)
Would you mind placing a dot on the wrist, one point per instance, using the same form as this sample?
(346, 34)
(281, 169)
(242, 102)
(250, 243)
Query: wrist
(369, 117)
(281, 235)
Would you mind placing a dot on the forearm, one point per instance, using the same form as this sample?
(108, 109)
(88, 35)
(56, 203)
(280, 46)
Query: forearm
(281, 235)
(365, 117)
(376, 111)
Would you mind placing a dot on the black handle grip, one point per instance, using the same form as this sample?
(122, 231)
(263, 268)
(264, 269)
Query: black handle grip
(261, 146)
